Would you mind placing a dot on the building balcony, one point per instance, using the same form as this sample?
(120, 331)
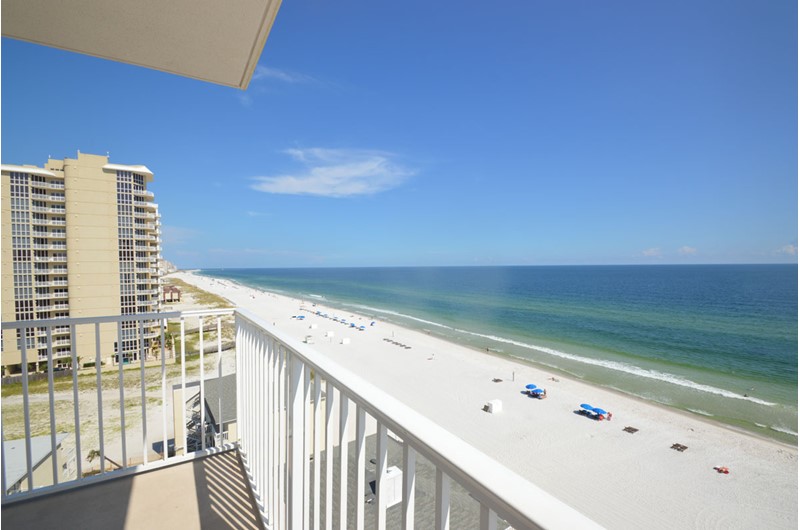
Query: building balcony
(55, 234)
(307, 444)
(49, 270)
(144, 193)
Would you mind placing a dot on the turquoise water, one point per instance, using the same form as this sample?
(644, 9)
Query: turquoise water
(715, 340)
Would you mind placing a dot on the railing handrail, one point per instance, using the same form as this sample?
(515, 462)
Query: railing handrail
(513, 497)
(20, 324)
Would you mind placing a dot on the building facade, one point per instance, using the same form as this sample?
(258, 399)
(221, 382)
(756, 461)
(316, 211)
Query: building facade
(80, 238)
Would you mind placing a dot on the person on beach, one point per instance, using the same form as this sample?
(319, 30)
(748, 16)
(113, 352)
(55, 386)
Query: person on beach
(544, 393)
(609, 416)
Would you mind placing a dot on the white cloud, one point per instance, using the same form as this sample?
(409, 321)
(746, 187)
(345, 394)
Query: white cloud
(652, 252)
(686, 250)
(264, 72)
(789, 250)
(336, 173)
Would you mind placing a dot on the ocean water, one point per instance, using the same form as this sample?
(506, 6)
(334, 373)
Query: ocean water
(719, 341)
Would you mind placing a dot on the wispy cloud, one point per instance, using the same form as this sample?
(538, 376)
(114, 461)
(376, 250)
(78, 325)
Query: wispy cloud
(654, 252)
(788, 250)
(336, 173)
(251, 213)
(265, 72)
(687, 251)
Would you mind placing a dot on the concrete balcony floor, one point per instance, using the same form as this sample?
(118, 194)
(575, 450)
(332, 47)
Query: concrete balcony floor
(208, 493)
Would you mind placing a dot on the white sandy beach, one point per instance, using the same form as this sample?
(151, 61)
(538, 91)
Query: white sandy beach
(618, 479)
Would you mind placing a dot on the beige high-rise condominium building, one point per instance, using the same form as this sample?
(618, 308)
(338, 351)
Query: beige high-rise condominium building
(80, 238)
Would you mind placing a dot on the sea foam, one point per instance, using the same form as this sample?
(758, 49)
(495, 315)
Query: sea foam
(611, 365)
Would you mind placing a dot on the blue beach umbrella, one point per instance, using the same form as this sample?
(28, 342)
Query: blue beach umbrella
(538, 391)
(530, 387)
(599, 411)
(587, 407)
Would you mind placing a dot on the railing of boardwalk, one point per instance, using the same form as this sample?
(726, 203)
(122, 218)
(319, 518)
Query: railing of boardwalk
(285, 426)
(89, 421)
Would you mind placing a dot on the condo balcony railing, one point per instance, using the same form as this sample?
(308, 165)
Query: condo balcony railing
(303, 424)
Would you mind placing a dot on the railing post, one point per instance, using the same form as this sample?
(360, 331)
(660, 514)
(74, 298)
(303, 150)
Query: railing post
(328, 455)
(307, 439)
(488, 518)
(409, 479)
(120, 363)
(442, 520)
(142, 355)
(26, 408)
(51, 396)
(183, 388)
(380, 474)
(165, 447)
(75, 401)
(317, 441)
(202, 386)
(97, 366)
(344, 411)
(295, 461)
(361, 454)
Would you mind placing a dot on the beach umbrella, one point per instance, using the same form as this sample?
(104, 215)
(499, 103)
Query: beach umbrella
(538, 391)
(530, 387)
(587, 406)
(599, 411)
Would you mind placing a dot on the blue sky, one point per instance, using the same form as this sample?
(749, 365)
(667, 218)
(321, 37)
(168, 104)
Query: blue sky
(444, 133)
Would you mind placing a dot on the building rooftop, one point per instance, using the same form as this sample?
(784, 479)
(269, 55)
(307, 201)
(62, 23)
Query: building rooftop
(14, 455)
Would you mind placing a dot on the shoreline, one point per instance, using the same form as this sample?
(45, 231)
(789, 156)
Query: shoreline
(633, 480)
(312, 299)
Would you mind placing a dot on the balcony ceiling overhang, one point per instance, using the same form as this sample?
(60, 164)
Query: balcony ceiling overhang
(213, 41)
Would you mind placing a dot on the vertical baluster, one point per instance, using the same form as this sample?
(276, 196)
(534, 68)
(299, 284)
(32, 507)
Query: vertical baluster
(282, 438)
(442, 500)
(97, 366)
(328, 455)
(75, 400)
(317, 441)
(221, 419)
(488, 518)
(295, 461)
(260, 414)
(142, 355)
(26, 408)
(120, 363)
(52, 402)
(3, 459)
(409, 479)
(361, 460)
(263, 423)
(307, 439)
(274, 412)
(380, 474)
(240, 390)
(344, 412)
(183, 388)
(164, 447)
(202, 387)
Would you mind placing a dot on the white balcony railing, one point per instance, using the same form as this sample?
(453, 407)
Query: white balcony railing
(288, 423)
